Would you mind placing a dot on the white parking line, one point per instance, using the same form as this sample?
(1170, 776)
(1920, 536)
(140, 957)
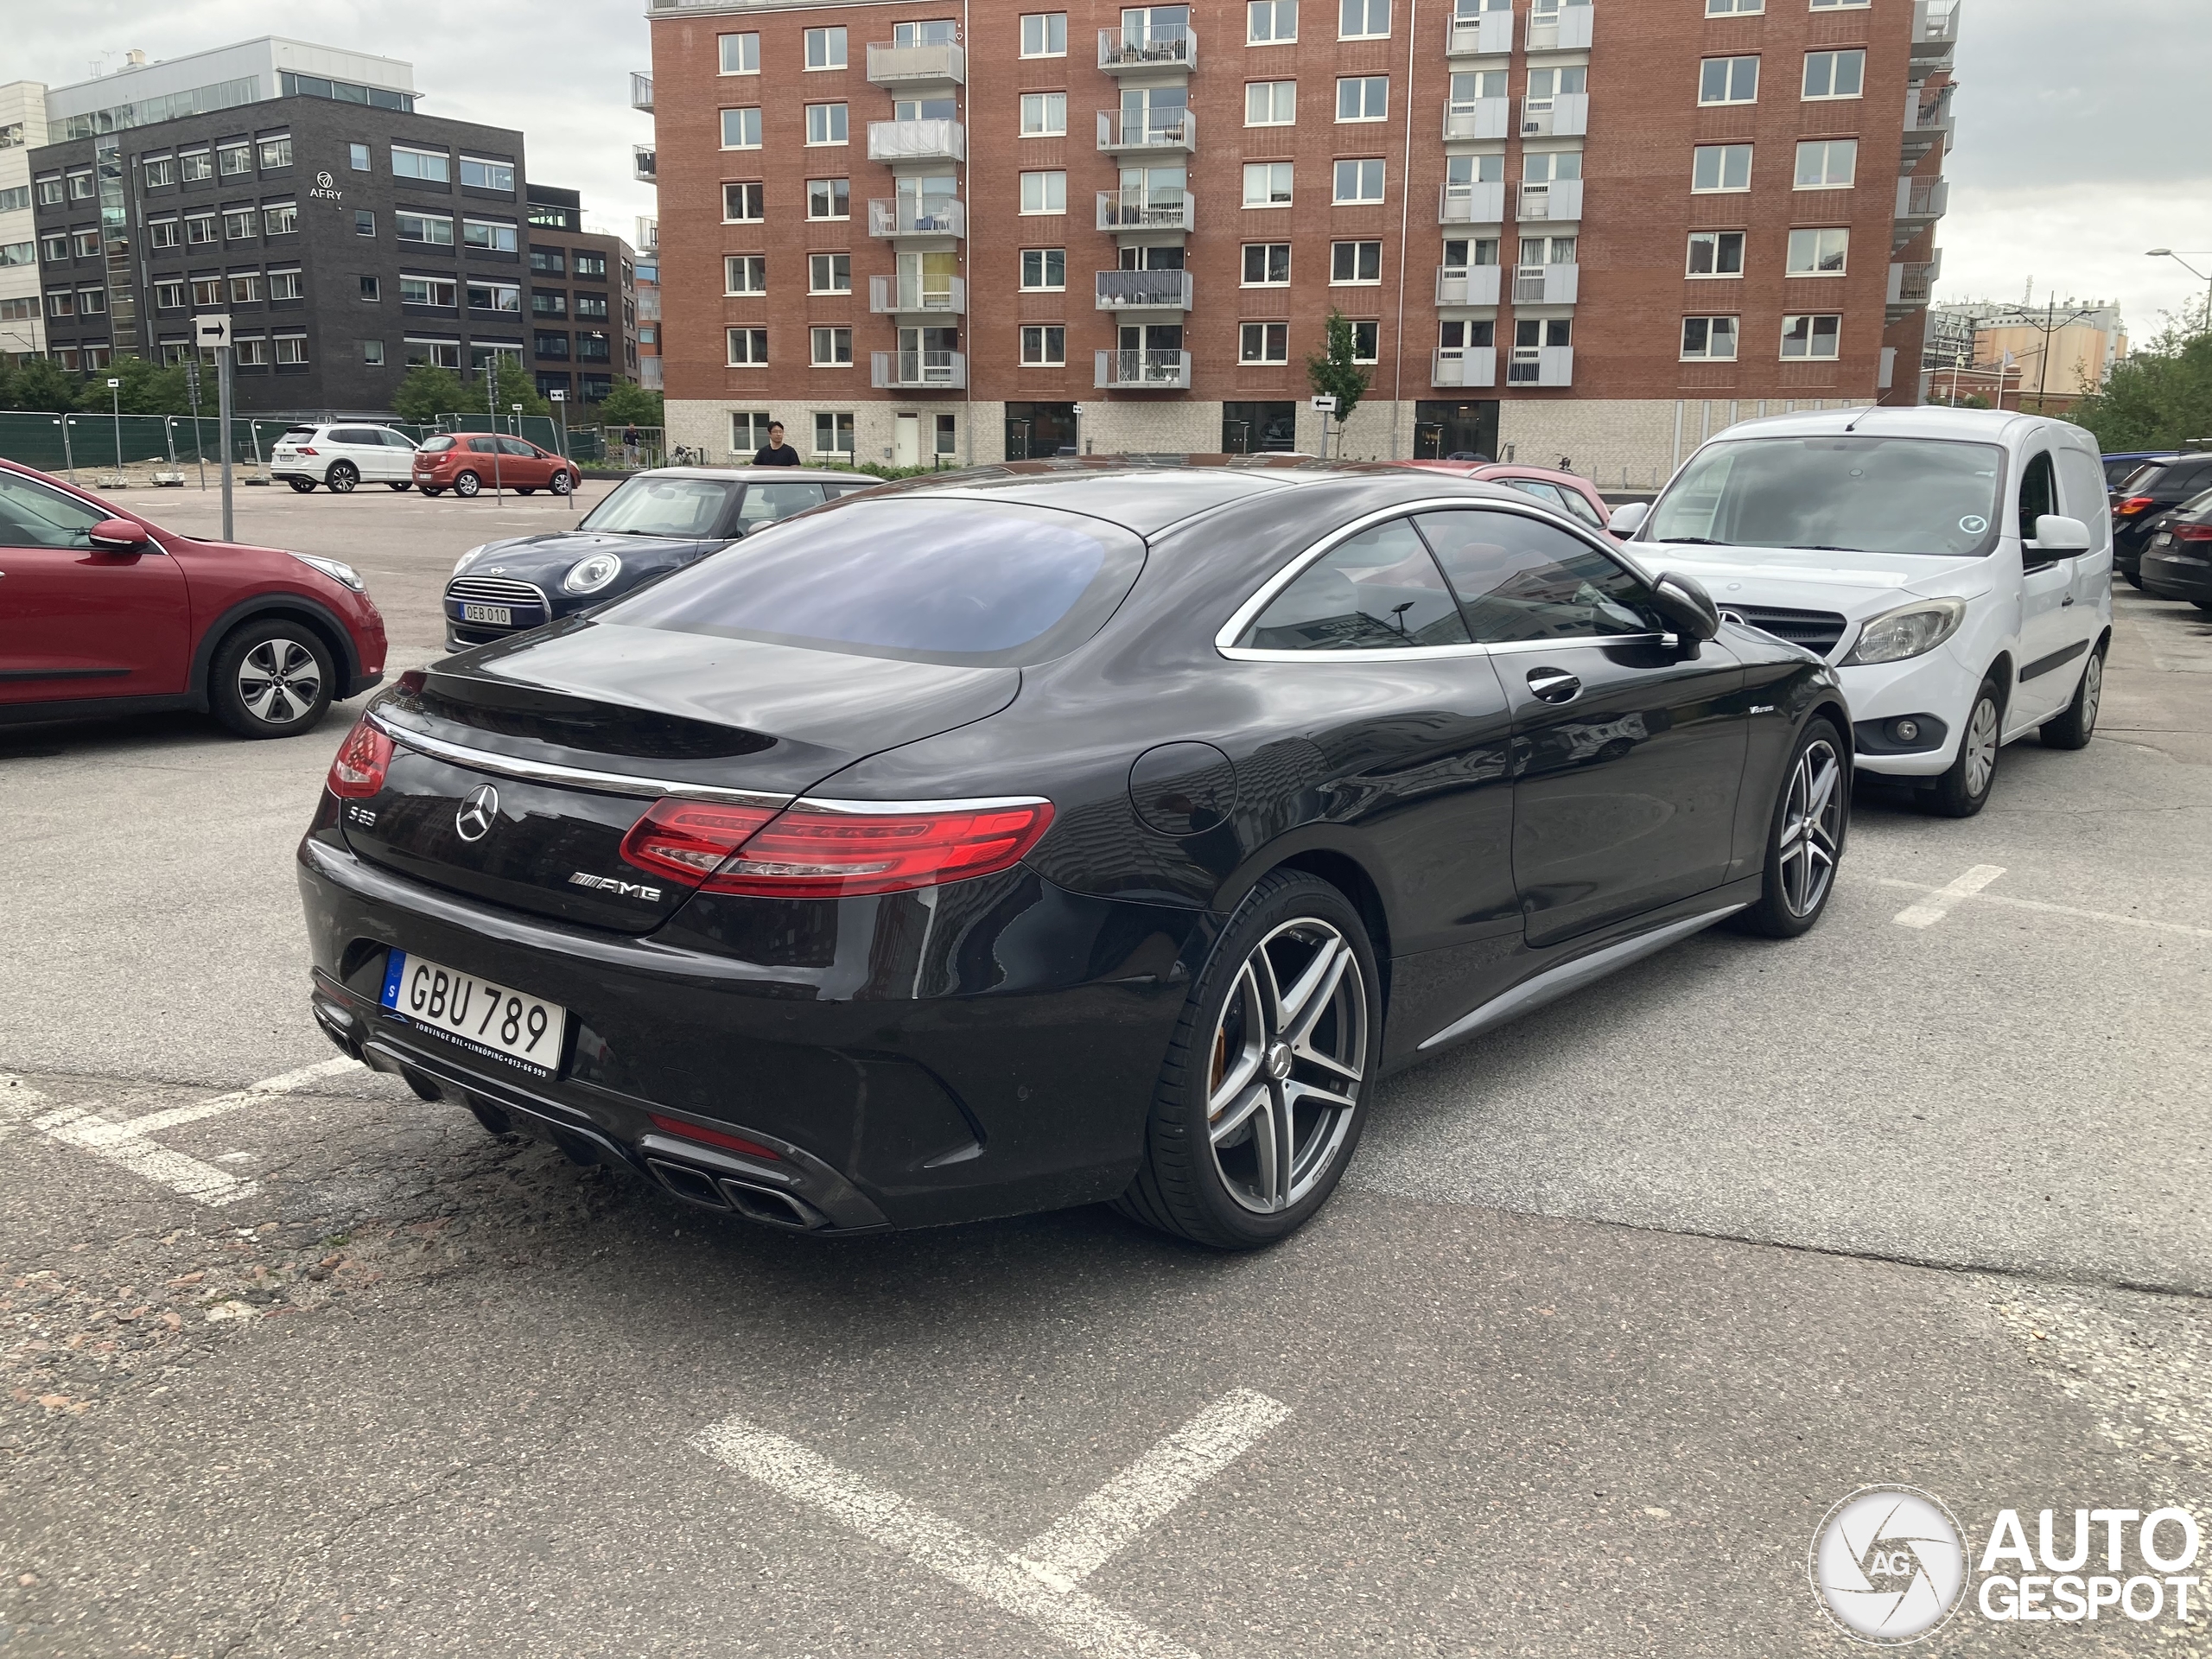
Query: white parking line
(1042, 1591)
(1937, 904)
(2050, 910)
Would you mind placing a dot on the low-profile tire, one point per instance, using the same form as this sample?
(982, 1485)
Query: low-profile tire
(562, 484)
(271, 677)
(342, 477)
(302, 485)
(1805, 835)
(1277, 1044)
(1962, 789)
(2074, 728)
(401, 488)
(468, 483)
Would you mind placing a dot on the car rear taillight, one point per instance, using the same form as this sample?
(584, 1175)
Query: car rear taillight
(706, 1136)
(359, 768)
(303, 451)
(2193, 533)
(811, 852)
(2134, 505)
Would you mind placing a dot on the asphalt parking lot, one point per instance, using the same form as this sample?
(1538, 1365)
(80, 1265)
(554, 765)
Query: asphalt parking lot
(1615, 1304)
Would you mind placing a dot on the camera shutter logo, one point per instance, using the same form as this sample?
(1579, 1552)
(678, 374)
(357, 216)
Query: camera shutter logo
(1889, 1564)
(472, 821)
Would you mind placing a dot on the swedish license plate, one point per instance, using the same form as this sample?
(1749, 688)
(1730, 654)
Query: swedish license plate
(481, 1016)
(2164, 539)
(500, 615)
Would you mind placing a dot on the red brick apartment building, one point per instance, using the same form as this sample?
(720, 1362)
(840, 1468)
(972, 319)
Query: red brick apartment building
(1589, 229)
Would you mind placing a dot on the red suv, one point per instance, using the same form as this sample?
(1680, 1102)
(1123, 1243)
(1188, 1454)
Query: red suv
(102, 613)
(468, 463)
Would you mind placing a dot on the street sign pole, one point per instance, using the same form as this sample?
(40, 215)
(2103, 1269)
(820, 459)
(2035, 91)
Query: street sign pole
(561, 408)
(115, 412)
(192, 389)
(69, 456)
(213, 328)
(492, 408)
(1327, 404)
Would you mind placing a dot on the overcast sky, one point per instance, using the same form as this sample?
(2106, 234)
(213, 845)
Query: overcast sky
(2081, 136)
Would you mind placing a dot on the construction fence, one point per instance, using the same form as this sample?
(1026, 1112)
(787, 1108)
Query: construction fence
(103, 445)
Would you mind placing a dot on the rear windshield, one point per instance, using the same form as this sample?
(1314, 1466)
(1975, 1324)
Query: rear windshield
(432, 446)
(663, 507)
(1845, 494)
(962, 583)
(2171, 478)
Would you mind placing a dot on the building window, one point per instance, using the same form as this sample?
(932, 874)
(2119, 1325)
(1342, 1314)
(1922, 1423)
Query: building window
(588, 265)
(364, 222)
(63, 303)
(237, 226)
(1728, 80)
(431, 166)
(160, 171)
(1044, 115)
(432, 230)
(830, 349)
(371, 290)
(493, 235)
(741, 128)
(80, 184)
(1835, 74)
(833, 433)
(742, 204)
(1715, 253)
(168, 294)
(548, 303)
(275, 153)
(1811, 336)
(175, 351)
(504, 298)
(1817, 253)
(830, 273)
(1364, 97)
(825, 48)
(1263, 342)
(828, 198)
(438, 353)
(92, 302)
(745, 273)
(1270, 22)
(49, 192)
(253, 353)
(1045, 345)
(373, 354)
(163, 233)
(749, 428)
(1044, 35)
(1266, 184)
(1267, 264)
(428, 290)
(245, 289)
(1840, 5)
(825, 123)
(206, 292)
(592, 347)
(748, 347)
(55, 249)
(1044, 269)
(1363, 20)
(1044, 192)
(291, 350)
(1359, 182)
(1355, 262)
(948, 434)
(740, 54)
(1366, 341)
(1827, 164)
(548, 262)
(1716, 168)
(1734, 8)
(357, 157)
(480, 175)
(1708, 340)
(199, 229)
(1270, 103)
(196, 166)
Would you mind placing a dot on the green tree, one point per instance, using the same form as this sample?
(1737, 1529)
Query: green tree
(2155, 398)
(147, 388)
(632, 405)
(42, 385)
(429, 392)
(515, 387)
(1332, 371)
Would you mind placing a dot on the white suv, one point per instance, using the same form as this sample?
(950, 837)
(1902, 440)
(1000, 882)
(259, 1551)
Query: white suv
(1954, 565)
(341, 455)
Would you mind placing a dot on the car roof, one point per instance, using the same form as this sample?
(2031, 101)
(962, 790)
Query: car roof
(1145, 494)
(2003, 426)
(738, 474)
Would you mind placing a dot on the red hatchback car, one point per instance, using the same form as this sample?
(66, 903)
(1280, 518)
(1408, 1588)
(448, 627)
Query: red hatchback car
(468, 463)
(103, 612)
(1567, 492)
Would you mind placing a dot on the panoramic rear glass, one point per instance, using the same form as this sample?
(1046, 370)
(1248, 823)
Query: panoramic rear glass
(974, 583)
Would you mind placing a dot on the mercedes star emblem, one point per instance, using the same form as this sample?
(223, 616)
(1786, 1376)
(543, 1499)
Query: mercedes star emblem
(478, 808)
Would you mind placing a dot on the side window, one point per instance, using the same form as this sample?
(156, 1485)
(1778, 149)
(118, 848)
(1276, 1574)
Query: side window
(33, 517)
(766, 503)
(1580, 507)
(1547, 493)
(1522, 581)
(517, 447)
(2038, 493)
(1378, 591)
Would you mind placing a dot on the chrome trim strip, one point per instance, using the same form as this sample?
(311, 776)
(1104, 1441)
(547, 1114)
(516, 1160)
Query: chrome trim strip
(1556, 983)
(545, 771)
(980, 804)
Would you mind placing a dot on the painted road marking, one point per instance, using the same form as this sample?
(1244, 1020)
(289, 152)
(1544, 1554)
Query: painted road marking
(1038, 1583)
(1937, 904)
(2050, 910)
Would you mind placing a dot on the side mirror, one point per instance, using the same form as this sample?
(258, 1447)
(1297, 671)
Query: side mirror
(1688, 609)
(117, 536)
(2060, 537)
(1627, 520)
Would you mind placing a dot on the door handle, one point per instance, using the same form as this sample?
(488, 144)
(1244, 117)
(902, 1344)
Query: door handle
(1554, 684)
(2064, 602)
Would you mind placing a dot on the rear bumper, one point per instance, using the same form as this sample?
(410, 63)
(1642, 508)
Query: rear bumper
(2172, 575)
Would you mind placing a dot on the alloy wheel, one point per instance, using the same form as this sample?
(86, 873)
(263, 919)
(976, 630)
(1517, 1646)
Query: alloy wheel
(1981, 745)
(2093, 691)
(1289, 1054)
(561, 484)
(1812, 828)
(279, 681)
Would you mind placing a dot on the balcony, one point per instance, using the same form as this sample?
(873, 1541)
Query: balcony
(1167, 47)
(1478, 117)
(1546, 284)
(1121, 131)
(1142, 370)
(1912, 283)
(905, 66)
(645, 163)
(1928, 123)
(1921, 202)
(1136, 210)
(901, 296)
(1143, 291)
(1477, 366)
(1566, 29)
(921, 371)
(1935, 33)
(917, 216)
(1490, 35)
(1466, 285)
(1562, 115)
(1471, 204)
(917, 141)
(1540, 366)
(641, 91)
(1561, 199)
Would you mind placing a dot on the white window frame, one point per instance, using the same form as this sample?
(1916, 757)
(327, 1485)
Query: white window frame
(1364, 13)
(1720, 172)
(743, 141)
(813, 267)
(443, 175)
(1834, 57)
(1272, 11)
(1362, 88)
(826, 334)
(1374, 327)
(1038, 189)
(829, 218)
(827, 49)
(1716, 275)
(1816, 239)
(744, 276)
(1266, 173)
(1045, 108)
(156, 227)
(1813, 320)
(746, 49)
(401, 215)
(508, 167)
(751, 335)
(1245, 336)
(513, 244)
(1734, 8)
(1355, 280)
(762, 200)
(1044, 269)
(1828, 150)
(1041, 334)
(435, 285)
(756, 425)
(297, 357)
(1706, 355)
(841, 429)
(834, 119)
(1244, 265)
(1279, 99)
(373, 354)
(293, 279)
(1369, 167)
(263, 146)
(1048, 25)
(1730, 93)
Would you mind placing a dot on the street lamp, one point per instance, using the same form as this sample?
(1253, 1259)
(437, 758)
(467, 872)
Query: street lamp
(2168, 253)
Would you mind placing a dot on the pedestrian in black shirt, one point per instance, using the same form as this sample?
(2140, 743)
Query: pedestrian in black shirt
(775, 452)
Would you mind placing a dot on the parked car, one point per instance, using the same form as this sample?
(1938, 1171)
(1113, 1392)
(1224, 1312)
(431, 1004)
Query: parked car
(2124, 465)
(1954, 565)
(468, 463)
(342, 456)
(650, 524)
(1055, 835)
(2177, 563)
(1570, 492)
(2158, 487)
(103, 612)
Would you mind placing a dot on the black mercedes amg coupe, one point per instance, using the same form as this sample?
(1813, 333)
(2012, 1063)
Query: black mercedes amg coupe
(1055, 833)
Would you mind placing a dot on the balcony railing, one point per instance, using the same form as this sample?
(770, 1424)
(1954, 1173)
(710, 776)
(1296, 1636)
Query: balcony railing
(1935, 32)
(1143, 291)
(917, 216)
(1559, 199)
(1474, 366)
(1471, 204)
(1162, 129)
(917, 369)
(1561, 115)
(897, 66)
(890, 296)
(1140, 210)
(1154, 370)
(1566, 29)
(1164, 48)
(1912, 281)
(641, 91)
(1540, 366)
(1478, 117)
(1466, 284)
(1546, 284)
(644, 163)
(1490, 35)
(917, 141)
(1922, 199)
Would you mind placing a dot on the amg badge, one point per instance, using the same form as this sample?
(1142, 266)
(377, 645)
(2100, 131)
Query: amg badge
(609, 884)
